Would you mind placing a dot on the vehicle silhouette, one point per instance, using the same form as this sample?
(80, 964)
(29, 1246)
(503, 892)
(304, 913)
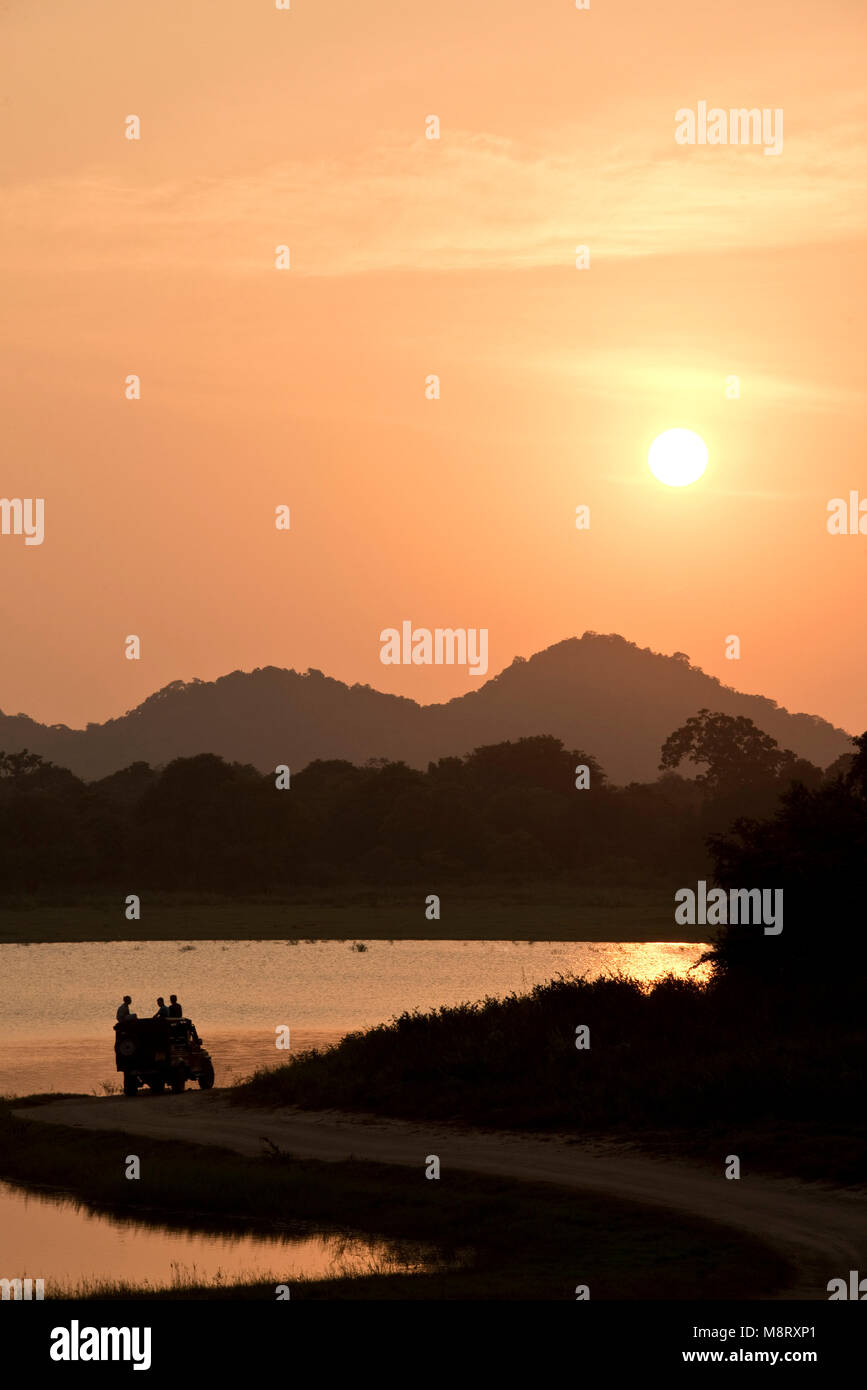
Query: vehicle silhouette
(160, 1052)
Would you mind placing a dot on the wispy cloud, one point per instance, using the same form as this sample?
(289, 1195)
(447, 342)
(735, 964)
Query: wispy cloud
(619, 373)
(466, 202)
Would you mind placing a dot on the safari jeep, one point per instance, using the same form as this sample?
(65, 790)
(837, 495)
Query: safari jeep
(160, 1052)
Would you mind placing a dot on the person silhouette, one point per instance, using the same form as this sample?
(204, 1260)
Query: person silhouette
(175, 1009)
(162, 1011)
(123, 1009)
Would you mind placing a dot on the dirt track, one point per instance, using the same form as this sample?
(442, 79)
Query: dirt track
(822, 1232)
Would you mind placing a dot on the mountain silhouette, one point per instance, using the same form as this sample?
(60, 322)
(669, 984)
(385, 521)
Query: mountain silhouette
(604, 694)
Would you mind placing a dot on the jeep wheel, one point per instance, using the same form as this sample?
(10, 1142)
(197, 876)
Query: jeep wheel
(178, 1083)
(130, 1084)
(206, 1079)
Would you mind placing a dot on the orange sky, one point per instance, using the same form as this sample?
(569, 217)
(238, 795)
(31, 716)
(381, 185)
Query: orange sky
(411, 257)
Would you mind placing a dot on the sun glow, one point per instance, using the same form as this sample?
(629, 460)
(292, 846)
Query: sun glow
(677, 457)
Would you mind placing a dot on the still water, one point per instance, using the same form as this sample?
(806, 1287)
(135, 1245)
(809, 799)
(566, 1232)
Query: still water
(71, 1248)
(58, 999)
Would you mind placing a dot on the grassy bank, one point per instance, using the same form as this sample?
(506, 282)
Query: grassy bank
(540, 912)
(494, 1238)
(699, 1071)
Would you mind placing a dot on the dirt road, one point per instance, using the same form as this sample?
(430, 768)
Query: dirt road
(822, 1232)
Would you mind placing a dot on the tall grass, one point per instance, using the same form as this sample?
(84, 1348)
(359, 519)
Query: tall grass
(675, 1056)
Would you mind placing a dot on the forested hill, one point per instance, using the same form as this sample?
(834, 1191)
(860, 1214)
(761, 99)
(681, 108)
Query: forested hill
(597, 692)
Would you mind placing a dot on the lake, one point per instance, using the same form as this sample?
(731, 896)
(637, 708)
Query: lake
(70, 1247)
(58, 999)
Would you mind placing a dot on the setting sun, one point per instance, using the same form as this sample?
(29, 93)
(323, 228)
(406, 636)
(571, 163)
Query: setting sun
(677, 457)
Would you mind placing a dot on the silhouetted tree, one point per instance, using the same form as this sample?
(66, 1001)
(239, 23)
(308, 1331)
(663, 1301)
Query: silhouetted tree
(730, 748)
(22, 764)
(815, 848)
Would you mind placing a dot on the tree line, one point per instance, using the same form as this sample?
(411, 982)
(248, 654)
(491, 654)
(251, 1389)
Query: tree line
(526, 809)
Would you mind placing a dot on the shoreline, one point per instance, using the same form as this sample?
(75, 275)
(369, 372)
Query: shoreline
(583, 914)
(500, 1228)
